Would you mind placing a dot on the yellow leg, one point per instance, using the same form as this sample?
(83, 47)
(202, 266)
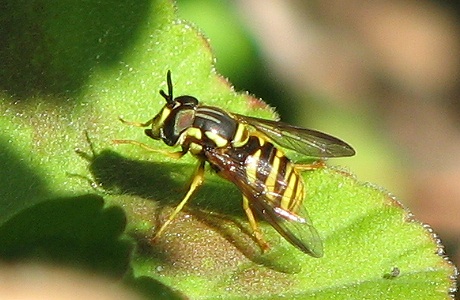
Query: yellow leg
(175, 155)
(255, 228)
(137, 124)
(197, 180)
(308, 167)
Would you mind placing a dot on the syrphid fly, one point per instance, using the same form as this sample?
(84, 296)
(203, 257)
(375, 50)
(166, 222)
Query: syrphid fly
(246, 151)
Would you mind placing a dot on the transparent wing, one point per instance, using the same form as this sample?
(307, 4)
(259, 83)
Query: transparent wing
(296, 228)
(305, 141)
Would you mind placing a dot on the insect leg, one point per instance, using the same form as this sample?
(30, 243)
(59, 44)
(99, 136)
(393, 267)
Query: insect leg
(308, 167)
(175, 155)
(137, 124)
(197, 180)
(255, 228)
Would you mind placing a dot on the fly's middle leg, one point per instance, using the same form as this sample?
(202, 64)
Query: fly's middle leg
(197, 180)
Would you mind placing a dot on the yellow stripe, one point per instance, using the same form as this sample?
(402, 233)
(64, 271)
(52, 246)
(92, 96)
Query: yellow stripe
(287, 173)
(195, 148)
(261, 141)
(299, 196)
(289, 169)
(251, 167)
(271, 179)
(288, 196)
(217, 139)
(194, 132)
(164, 114)
(241, 136)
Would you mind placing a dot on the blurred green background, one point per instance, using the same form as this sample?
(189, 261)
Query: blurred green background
(382, 76)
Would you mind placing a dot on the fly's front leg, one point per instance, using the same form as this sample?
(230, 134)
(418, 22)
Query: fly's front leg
(197, 180)
(137, 124)
(255, 228)
(175, 155)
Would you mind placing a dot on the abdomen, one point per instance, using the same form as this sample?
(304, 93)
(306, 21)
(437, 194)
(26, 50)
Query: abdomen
(266, 169)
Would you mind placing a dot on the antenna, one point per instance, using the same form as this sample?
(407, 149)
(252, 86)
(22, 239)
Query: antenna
(169, 98)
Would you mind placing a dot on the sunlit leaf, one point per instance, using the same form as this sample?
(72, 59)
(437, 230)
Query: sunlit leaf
(70, 72)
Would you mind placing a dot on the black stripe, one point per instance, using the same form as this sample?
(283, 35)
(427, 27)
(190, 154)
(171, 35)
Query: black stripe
(264, 165)
(281, 182)
(215, 120)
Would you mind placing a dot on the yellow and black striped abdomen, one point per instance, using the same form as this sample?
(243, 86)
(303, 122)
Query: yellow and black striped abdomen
(272, 173)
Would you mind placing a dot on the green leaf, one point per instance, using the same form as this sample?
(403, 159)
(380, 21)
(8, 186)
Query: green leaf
(70, 70)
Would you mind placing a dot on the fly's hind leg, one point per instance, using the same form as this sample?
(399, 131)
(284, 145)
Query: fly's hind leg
(313, 166)
(255, 228)
(197, 180)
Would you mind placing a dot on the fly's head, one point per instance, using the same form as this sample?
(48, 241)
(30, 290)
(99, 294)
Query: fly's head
(176, 116)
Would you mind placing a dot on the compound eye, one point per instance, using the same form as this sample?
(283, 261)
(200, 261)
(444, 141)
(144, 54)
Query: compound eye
(184, 119)
(177, 122)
